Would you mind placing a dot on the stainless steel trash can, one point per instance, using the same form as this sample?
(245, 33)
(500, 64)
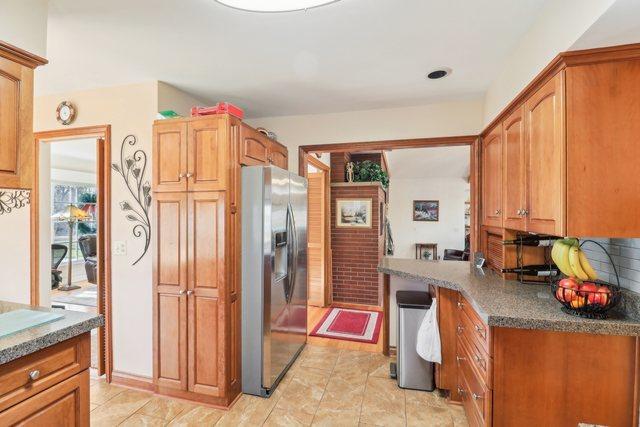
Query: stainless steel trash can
(412, 371)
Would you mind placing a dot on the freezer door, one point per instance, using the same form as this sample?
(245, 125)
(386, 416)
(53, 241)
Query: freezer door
(276, 346)
(298, 300)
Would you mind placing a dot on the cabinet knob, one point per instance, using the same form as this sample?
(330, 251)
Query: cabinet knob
(498, 211)
(459, 358)
(189, 175)
(525, 212)
(189, 292)
(476, 396)
(34, 375)
(460, 391)
(519, 212)
(181, 175)
(459, 329)
(460, 304)
(182, 292)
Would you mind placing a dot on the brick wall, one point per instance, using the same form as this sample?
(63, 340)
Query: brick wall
(338, 166)
(356, 252)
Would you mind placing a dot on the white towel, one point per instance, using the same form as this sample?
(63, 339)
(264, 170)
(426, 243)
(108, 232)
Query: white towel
(428, 339)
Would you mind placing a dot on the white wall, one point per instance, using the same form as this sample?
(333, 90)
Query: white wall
(559, 26)
(15, 253)
(448, 232)
(443, 119)
(172, 98)
(23, 23)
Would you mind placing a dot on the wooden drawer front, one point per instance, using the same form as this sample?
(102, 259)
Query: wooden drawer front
(63, 405)
(254, 147)
(476, 397)
(478, 332)
(51, 366)
(479, 359)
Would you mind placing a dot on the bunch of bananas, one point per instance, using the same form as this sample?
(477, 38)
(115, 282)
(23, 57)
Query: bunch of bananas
(571, 260)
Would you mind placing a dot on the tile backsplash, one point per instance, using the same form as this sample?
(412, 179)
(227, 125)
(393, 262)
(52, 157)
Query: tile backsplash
(626, 257)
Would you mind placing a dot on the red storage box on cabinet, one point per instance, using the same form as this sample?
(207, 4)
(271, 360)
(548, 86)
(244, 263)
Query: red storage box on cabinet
(219, 108)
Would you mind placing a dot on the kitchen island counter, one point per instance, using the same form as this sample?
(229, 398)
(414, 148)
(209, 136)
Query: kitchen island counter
(31, 340)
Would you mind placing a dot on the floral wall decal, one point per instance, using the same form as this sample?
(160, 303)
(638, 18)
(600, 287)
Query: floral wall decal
(132, 169)
(13, 199)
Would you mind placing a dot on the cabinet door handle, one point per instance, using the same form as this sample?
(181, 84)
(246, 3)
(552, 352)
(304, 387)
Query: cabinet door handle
(189, 292)
(189, 175)
(525, 212)
(460, 304)
(460, 391)
(459, 358)
(34, 375)
(479, 330)
(182, 292)
(181, 175)
(459, 329)
(476, 396)
(519, 212)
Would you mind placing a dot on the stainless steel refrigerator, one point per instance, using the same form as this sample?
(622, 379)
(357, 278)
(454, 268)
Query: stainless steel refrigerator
(274, 275)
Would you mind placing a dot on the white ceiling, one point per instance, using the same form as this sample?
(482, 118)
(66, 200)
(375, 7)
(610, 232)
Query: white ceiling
(419, 163)
(77, 154)
(349, 55)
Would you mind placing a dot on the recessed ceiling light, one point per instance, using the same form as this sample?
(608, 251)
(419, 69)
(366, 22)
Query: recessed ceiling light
(439, 73)
(274, 5)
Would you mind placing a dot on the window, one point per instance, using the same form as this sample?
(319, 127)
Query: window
(82, 196)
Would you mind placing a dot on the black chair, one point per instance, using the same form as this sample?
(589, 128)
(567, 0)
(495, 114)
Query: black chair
(58, 252)
(88, 247)
(456, 254)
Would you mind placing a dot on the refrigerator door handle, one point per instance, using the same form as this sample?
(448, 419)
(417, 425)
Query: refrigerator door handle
(290, 252)
(294, 267)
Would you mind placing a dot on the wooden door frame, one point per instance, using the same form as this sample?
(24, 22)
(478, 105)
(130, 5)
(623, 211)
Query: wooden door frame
(103, 160)
(328, 282)
(473, 141)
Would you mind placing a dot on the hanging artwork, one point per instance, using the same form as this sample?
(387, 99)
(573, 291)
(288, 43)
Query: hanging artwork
(132, 169)
(13, 199)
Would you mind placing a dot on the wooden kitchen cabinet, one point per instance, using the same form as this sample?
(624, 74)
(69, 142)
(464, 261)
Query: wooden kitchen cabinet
(492, 178)
(256, 149)
(59, 393)
(545, 158)
(514, 167)
(16, 116)
(190, 155)
(197, 268)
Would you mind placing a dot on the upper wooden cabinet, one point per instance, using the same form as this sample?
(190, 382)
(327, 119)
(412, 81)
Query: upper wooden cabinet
(257, 149)
(545, 158)
(571, 148)
(514, 168)
(190, 155)
(16, 116)
(603, 148)
(492, 178)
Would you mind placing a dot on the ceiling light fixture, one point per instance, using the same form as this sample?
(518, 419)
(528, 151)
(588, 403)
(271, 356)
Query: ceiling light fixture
(274, 5)
(439, 73)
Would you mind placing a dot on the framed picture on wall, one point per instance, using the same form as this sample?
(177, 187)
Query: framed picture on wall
(353, 213)
(426, 210)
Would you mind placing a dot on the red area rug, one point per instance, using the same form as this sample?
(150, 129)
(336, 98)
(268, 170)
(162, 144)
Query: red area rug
(350, 325)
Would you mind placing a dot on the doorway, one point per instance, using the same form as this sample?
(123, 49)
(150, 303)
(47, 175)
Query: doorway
(71, 228)
(319, 234)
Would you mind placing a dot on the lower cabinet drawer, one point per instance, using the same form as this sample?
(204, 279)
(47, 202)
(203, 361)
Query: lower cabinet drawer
(29, 375)
(64, 405)
(476, 396)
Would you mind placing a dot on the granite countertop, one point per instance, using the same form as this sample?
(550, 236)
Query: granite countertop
(29, 341)
(505, 303)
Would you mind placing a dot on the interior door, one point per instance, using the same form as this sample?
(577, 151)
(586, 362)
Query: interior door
(492, 178)
(316, 238)
(514, 171)
(207, 154)
(545, 158)
(205, 293)
(170, 287)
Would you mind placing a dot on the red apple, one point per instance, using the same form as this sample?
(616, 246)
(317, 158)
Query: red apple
(578, 302)
(589, 290)
(567, 289)
(603, 296)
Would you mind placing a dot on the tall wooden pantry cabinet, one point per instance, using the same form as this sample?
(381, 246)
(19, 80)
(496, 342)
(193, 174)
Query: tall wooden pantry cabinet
(197, 250)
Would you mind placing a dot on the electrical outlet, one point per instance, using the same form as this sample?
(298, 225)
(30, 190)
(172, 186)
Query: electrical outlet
(119, 247)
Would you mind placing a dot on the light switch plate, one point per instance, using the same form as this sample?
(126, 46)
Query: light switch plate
(119, 247)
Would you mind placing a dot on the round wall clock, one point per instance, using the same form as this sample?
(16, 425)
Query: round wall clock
(66, 113)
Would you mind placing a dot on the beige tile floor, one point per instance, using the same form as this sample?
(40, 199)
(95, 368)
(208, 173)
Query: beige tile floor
(325, 387)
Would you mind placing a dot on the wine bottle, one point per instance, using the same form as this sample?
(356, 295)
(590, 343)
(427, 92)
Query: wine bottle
(532, 241)
(541, 270)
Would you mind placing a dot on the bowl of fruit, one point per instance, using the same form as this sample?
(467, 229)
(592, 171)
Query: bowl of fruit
(580, 292)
